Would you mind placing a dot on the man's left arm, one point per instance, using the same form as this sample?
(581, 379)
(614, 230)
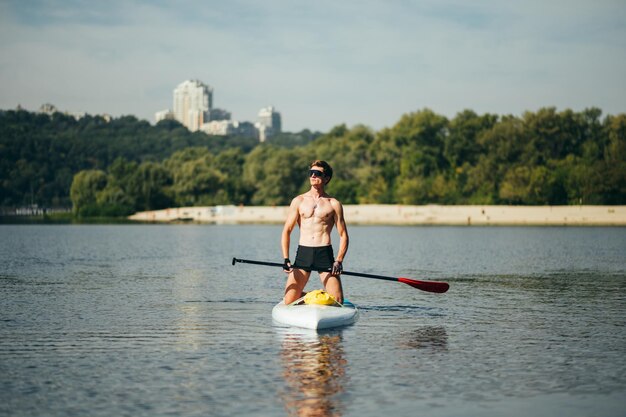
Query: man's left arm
(342, 230)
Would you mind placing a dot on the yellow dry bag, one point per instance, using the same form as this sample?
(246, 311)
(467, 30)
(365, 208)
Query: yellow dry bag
(319, 297)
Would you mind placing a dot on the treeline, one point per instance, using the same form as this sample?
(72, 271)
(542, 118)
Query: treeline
(41, 154)
(543, 157)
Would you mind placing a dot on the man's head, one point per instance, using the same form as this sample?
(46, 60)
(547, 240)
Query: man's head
(325, 167)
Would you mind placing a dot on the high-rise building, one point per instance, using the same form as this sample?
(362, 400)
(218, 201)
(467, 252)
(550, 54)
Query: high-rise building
(269, 123)
(193, 101)
(269, 117)
(193, 108)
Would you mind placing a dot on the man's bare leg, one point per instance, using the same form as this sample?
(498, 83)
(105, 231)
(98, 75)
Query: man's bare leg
(296, 281)
(332, 285)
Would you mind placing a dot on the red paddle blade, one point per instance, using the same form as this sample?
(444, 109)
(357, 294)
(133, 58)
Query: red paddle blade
(430, 286)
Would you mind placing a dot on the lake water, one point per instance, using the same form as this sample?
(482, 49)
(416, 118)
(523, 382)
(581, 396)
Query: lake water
(153, 320)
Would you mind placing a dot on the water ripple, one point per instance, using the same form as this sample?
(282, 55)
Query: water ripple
(154, 321)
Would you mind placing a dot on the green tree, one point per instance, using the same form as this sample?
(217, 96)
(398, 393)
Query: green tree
(230, 163)
(149, 185)
(84, 190)
(112, 201)
(461, 144)
(527, 185)
(275, 175)
(196, 182)
(542, 157)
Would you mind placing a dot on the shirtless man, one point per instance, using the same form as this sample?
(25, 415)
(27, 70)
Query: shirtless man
(316, 213)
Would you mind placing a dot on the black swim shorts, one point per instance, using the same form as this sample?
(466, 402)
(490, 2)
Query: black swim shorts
(314, 258)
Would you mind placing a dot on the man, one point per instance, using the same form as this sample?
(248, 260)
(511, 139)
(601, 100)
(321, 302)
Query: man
(316, 213)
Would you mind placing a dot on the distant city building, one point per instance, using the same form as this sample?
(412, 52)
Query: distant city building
(164, 115)
(247, 129)
(220, 114)
(263, 132)
(193, 107)
(269, 117)
(219, 127)
(50, 109)
(193, 101)
(229, 128)
(269, 123)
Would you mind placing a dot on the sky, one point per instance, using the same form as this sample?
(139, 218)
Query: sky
(319, 63)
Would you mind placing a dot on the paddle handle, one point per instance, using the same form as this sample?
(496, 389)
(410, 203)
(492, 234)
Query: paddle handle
(248, 261)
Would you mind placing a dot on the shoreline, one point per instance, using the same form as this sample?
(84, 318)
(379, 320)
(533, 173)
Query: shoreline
(403, 215)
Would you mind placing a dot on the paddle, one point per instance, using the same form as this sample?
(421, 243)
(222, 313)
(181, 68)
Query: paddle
(430, 286)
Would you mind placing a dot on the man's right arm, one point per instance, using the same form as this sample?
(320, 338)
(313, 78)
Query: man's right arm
(290, 223)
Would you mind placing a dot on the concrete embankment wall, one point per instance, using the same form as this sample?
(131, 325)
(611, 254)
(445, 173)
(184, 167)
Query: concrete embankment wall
(405, 215)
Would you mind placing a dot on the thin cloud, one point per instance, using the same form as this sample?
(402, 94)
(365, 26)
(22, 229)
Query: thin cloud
(320, 63)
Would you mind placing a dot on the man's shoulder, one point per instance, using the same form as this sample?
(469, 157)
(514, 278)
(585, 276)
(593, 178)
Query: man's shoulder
(297, 199)
(334, 202)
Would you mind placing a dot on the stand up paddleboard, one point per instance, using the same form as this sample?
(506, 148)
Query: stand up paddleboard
(315, 316)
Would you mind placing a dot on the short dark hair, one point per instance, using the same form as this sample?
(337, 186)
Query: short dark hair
(328, 170)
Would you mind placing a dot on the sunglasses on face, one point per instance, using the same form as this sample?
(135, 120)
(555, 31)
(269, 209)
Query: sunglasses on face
(316, 173)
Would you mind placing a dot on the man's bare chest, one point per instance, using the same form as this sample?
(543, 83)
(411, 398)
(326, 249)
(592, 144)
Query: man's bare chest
(320, 210)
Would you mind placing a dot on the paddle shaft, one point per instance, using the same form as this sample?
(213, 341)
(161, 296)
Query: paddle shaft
(358, 274)
(430, 286)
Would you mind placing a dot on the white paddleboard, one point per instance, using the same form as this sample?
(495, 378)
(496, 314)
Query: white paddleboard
(315, 316)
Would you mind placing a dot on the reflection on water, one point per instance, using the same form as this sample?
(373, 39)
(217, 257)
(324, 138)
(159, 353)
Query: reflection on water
(314, 369)
(154, 321)
(427, 338)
